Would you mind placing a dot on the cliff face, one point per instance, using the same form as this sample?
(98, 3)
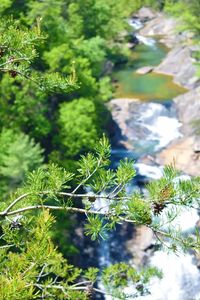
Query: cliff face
(186, 151)
(163, 27)
(188, 106)
(179, 63)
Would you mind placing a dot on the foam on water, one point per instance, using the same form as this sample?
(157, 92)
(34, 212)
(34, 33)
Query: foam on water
(185, 220)
(165, 130)
(135, 23)
(162, 126)
(180, 278)
(101, 204)
(146, 40)
(152, 172)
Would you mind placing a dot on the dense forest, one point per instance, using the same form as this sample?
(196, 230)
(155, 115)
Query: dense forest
(56, 62)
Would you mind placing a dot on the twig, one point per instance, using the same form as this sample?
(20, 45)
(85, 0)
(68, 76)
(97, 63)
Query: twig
(90, 175)
(71, 195)
(81, 283)
(73, 209)
(29, 268)
(10, 61)
(7, 246)
(15, 201)
(41, 273)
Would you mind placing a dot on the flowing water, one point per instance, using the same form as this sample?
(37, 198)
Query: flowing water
(153, 125)
(147, 87)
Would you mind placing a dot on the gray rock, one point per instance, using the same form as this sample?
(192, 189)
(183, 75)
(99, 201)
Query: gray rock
(130, 45)
(108, 67)
(196, 146)
(145, 14)
(145, 70)
(180, 64)
(166, 29)
(188, 109)
(161, 25)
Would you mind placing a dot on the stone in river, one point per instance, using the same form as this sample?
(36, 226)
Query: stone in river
(145, 70)
(196, 146)
(145, 14)
(188, 109)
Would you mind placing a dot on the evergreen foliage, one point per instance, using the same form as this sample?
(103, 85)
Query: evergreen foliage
(78, 126)
(32, 267)
(53, 53)
(18, 155)
(54, 82)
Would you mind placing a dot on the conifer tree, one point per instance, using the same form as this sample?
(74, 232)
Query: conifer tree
(31, 266)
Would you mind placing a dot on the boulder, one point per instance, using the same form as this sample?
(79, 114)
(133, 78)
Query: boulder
(108, 67)
(120, 110)
(179, 63)
(182, 154)
(141, 245)
(161, 25)
(188, 109)
(196, 146)
(145, 70)
(120, 113)
(146, 14)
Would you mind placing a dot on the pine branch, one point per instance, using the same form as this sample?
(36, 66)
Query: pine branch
(7, 246)
(70, 195)
(41, 273)
(50, 207)
(89, 176)
(10, 61)
(15, 202)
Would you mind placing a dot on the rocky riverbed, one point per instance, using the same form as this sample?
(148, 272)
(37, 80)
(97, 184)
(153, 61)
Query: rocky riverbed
(184, 149)
(181, 65)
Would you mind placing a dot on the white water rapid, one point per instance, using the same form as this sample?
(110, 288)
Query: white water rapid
(180, 278)
(145, 40)
(137, 24)
(153, 126)
(163, 127)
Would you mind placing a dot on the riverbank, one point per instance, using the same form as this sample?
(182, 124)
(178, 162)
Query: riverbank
(146, 127)
(179, 63)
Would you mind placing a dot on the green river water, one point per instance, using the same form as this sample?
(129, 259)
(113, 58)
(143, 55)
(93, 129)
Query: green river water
(149, 87)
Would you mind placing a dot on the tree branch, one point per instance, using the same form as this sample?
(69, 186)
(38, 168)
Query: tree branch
(71, 195)
(16, 201)
(89, 176)
(50, 207)
(7, 246)
(10, 61)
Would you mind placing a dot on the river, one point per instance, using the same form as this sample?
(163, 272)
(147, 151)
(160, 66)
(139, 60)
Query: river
(152, 125)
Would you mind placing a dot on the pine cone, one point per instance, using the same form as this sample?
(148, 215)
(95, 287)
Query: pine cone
(158, 207)
(13, 73)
